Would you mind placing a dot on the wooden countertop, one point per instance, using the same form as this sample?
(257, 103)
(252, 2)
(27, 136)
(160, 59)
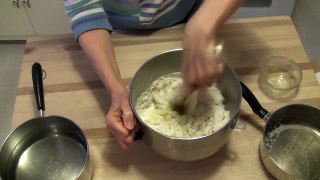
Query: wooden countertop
(73, 90)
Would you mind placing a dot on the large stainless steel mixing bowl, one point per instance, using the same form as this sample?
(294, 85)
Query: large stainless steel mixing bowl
(184, 149)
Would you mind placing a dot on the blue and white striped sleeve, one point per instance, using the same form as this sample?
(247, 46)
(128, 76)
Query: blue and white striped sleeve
(86, 15)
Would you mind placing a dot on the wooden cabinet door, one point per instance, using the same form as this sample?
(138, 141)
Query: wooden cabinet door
(48, 17)
(13, 20)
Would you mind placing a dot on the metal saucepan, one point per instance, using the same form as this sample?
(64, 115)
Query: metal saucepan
(46, 147)
(184, 149)
(290, 147)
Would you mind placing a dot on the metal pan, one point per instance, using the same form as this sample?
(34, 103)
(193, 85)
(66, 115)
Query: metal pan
(290, 147)
(46, 147)
(185, 149)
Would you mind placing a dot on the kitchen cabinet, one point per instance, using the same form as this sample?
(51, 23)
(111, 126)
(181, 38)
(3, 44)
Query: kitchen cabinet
(23, 18)
(48, 17)
(14, 20)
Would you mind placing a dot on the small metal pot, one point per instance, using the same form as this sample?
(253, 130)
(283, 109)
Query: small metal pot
(184, 149)
(46, 147)
(290, 145)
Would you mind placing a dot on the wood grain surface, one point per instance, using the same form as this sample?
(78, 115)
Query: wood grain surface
(73, 90)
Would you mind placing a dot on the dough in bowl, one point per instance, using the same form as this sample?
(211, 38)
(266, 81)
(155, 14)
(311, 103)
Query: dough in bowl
(155, 109)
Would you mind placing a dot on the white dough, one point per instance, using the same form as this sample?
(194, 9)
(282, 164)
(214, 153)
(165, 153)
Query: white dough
(154, 107)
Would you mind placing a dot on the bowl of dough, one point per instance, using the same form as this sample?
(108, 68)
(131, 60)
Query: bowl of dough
(195, 134)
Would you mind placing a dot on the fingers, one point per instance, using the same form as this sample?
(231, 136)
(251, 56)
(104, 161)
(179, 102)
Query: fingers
(214, 72)
(124, 141)
(199, 73)
(128, 118)
(218, 70)
(120, 122)
(201, 68)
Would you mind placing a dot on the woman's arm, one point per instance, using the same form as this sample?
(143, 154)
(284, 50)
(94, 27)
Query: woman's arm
(212, 14)
(200, 67)
(97, 45)
(90, 26)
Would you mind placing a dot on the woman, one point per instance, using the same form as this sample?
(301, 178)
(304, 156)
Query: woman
(93, 20)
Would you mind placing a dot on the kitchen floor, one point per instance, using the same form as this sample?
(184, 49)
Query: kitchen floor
(306, 18)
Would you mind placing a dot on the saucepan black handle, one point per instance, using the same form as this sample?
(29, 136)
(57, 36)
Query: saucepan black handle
(252, 101)
(38, 85)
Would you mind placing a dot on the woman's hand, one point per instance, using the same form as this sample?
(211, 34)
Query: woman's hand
(120, 120)
(201, 67)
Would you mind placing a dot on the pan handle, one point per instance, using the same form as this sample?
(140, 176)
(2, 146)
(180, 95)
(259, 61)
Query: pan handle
(253, 102)
(38, 86)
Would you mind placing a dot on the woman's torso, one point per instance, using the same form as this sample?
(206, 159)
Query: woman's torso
(147, 14)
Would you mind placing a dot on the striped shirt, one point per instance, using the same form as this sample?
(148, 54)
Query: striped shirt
(86, 15)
